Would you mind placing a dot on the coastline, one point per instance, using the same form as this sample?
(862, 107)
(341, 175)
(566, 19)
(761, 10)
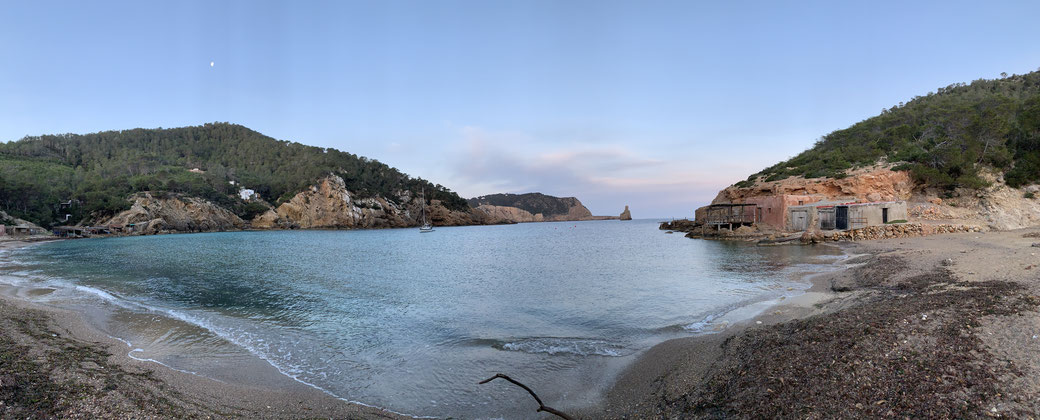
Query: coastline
(100, 379)
(733, 315)
(925, 326)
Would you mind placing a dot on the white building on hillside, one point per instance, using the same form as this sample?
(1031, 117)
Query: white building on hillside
(247, 194)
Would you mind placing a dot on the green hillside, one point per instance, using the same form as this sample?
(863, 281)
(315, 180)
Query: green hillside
(944, 138)
(533, 203)
(100, 170)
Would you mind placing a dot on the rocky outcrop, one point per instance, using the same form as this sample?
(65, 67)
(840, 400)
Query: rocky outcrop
(510, 213)
(877, 183)
(533, 207)
(329, 205)
(626, 215)
(174, 213)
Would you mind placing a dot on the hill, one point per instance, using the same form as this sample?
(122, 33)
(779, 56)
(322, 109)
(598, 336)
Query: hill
(534, 203)
(533, 207)
(943, 138)
(91, 176)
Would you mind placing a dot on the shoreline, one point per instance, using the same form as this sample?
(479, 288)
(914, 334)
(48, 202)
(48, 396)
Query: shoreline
(120, 348)
(959, 311)
(103, 379)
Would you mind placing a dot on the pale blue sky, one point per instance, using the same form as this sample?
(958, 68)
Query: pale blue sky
(656, 105)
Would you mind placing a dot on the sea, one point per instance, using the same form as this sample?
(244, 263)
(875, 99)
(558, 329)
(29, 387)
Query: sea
(409, 321)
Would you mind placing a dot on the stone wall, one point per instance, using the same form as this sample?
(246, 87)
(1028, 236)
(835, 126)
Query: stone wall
(902, 230)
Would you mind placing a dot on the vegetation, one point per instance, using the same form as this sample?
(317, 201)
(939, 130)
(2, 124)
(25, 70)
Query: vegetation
(943, 138)
(534, 203)
(93, 174)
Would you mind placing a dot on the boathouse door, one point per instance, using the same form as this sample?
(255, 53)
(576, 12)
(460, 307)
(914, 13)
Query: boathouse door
(799, 220)
(884, 215)
(841, 217)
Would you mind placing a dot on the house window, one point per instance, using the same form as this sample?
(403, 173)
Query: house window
(800, 202)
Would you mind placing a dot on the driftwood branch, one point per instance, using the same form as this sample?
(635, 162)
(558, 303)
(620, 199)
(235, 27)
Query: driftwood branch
(541, 406)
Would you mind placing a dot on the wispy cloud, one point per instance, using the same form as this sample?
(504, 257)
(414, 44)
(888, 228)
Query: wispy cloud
(605, 177)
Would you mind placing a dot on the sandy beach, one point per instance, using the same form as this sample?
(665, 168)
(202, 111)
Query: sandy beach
(57, 366)
(929, 327)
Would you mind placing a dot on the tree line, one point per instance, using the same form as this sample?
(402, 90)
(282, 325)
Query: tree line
(943, 138)
(95, 173)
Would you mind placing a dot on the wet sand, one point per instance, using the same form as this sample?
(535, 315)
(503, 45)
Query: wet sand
(935, 327)
(57, 365)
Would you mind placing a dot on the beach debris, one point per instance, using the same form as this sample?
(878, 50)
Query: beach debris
(912, 343)
(541, 406)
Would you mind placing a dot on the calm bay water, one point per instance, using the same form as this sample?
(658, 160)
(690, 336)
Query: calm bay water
(408, 321)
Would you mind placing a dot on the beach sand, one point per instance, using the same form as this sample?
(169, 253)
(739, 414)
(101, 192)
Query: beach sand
(929, 327)
(54, 365)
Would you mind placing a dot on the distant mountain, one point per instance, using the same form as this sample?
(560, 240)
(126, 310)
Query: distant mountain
(534, 203)
(92, 176)
(533, 207)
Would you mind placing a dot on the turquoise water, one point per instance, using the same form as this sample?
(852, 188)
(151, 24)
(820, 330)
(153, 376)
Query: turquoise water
(411, 322)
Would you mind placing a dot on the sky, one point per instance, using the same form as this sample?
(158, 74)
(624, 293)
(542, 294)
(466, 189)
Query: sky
(654, 105)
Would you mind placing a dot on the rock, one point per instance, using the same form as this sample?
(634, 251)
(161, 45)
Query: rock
(533, 207)
(858, 185)
(947, 262)
(172, 212)
(514, 214)
(626, 215)
(328, 204)
(1036, 244)
(741, 231)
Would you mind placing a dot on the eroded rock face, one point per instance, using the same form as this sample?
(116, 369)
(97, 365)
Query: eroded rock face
(626, 215)
(510, 213)
(871, 184)
(329, 205)
(162, 213)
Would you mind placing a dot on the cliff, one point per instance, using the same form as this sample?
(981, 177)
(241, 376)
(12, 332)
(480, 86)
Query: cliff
(877, 183)
(996, 206)
(533, 207)
(510, 213)
(329, 205)
(170, 212)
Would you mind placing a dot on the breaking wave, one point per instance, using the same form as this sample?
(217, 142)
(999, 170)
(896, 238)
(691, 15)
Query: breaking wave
(565, 346)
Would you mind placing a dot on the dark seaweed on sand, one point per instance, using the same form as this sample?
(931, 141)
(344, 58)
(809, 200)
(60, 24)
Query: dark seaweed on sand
(908, 350)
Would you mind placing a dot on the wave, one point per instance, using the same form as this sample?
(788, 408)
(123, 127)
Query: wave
(707, 325)
(564, 346)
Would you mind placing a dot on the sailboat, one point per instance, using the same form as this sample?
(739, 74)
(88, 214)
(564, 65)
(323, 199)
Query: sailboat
(426, 226)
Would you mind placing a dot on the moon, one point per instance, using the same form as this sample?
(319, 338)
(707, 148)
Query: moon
(211, 64)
